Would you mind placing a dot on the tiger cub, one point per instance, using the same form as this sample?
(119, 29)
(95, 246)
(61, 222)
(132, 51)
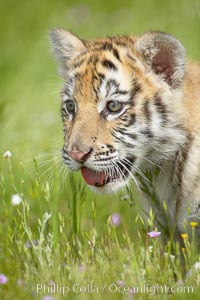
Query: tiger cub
(131, 105)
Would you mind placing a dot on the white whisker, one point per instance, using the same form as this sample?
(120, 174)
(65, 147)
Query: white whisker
(131, 175)
(136, 169)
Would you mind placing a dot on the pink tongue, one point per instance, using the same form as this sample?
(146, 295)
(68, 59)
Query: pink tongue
(93, 178)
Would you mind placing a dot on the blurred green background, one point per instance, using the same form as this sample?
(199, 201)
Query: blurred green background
(29, 85)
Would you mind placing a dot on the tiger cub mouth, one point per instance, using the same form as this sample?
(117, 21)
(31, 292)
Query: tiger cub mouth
(96, 178)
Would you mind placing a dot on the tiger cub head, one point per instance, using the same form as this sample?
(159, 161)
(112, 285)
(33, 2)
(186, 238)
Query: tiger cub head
(121, 104)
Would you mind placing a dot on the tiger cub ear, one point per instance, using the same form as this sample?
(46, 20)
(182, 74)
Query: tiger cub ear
(65, 47)
(163, 54)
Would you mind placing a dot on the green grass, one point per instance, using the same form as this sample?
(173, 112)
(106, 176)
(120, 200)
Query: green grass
(61, 231)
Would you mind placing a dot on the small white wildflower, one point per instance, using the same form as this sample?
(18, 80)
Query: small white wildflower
(125, 197)
(195, 268)
(172, 257)
(7, 154)
(150, 248)
(46, 217)
(16, 199)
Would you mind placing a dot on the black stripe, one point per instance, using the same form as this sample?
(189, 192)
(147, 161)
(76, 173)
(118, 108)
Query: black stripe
(93, 59)
(116, 54)
(106, 46)
(124, 118)
(132, 135)
(102, 76)
(121, 44)
(67, 87)
(95, 89)
(131, 58)
(78, 75)
(111, 148)
(147, 132)
(109, 64)
(119, 92)
(81, 55)
(64, 153)
(135, 89)
(63, 111)
(110, 83)
(161, 108)
(132, 120)
(122, 140)
(78, 63)
(181, 158)
(123, 132)
(104, 159)
(96, 93)
(147, 111)
(109, 47)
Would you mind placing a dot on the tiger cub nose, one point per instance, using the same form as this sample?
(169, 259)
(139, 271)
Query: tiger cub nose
(80, 155)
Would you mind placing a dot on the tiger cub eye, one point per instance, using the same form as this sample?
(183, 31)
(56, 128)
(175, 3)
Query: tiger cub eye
(70, 106)
(114, 106)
